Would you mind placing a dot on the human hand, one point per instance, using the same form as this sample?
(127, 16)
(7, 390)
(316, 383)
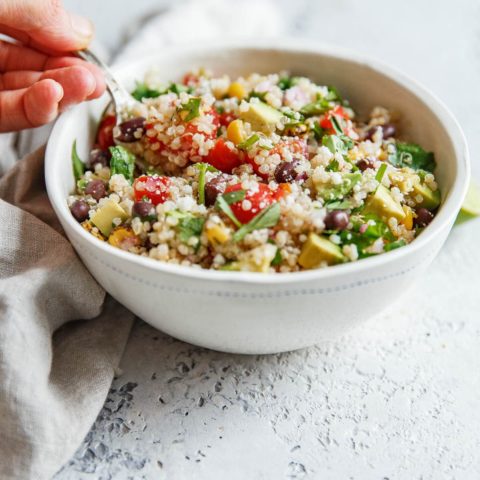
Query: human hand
(39, 77)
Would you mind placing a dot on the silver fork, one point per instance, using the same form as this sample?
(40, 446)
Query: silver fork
(123, 102)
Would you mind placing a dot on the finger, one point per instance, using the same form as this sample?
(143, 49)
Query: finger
(78, 83)
(47, 23)
(15, 57)
(30, 107)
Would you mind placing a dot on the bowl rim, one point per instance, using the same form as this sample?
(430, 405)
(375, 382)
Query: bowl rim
(444, 218)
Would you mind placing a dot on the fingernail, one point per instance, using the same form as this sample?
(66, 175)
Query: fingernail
(82, 26)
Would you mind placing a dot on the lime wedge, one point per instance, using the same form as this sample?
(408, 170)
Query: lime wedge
(471, 205)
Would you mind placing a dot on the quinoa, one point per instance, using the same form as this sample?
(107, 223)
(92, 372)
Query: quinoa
(264, 173)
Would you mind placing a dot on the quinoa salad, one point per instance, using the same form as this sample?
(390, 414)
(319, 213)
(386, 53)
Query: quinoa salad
(261, 173)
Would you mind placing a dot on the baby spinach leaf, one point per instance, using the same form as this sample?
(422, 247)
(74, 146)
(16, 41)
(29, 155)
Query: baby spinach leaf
(122, 162)
(412, 155)
(78, 165)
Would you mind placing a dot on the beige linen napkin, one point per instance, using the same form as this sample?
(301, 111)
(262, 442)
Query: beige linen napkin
(55, 369)
(58, 352)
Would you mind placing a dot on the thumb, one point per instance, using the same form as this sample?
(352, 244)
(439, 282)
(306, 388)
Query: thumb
(46, 23)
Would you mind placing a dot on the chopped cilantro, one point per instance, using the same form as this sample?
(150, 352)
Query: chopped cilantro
(337, 143)
(277, 259)
(143, 91)
(287, 82)
(122, 162)
(333, 95)
(78, 165)
(318, 131)
(338, 192)
(191, 109)
(260, 95)
(268, 217)
(332, 166)
(412, 155)
(188, 225)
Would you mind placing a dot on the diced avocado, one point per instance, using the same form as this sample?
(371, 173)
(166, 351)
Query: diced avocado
(382, 203)
(262, 117)
(431, 199)
(258, 259)
(104, 216)
(317, 250)
(471, 205)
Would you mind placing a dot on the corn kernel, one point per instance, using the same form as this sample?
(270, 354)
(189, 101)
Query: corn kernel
(383, 155)
(217, 234)
(408, 220)
(123, 238)
(236, 89)
(236, 132)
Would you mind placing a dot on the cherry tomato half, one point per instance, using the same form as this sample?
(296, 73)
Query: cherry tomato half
(326, 121)
(222, 158)
(259, 199)
(154, 187)
(105, 132)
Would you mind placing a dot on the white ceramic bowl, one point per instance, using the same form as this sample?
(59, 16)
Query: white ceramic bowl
(264, 313)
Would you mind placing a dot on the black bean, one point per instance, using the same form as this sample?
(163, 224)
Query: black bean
(336, 220)
(79, 210)
(215, 187)
(286, 172)
(366, 163)
(388, 131)
(423, 218)
(96, 188)
(129, 128)
(143, 209)
(98, 156)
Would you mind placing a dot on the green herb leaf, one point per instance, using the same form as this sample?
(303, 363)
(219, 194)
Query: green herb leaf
(178, 88)
(336, 125)
(332, 166)
(122, 162)
(333, 95)
(260, 95)
(381, 172)
(295, 118)
(412, 155)
(267, 218)
(318, 131)
(287, 82)
(396, 244)
(337, 143)
(142, 91)
(224, 201)
(191, 108)
(277, 259)
(190, 226)
(203, 169)
(249, 142)
(318, 107)
(339, 205)
(338, 192)
(78, 165)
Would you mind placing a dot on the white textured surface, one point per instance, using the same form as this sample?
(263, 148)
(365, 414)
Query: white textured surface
(396, 399)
